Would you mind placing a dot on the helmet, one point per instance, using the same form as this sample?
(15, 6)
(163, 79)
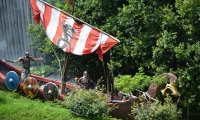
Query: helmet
(26, 54)
(119, 75)
(85, 73)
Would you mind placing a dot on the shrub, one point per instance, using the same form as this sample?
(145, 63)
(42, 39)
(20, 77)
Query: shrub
(159, 80)
(88, 103)
(128, 83)
(156, 111)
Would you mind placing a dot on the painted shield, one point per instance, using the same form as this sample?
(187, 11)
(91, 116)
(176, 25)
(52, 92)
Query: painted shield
(50, 91)
(30, 87)
(12, 80)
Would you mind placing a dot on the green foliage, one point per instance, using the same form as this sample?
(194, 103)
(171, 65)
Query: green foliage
(112, 64)
(156, 111)
(88, 103)
(44, 70)
(128, 83)
(100, 86)
(94, 12)
(137, 26)
(178, 49)
(165, 48)
(159, 80)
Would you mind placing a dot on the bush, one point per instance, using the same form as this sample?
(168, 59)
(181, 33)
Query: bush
(156, 111)
(88, 103)
(128, 83)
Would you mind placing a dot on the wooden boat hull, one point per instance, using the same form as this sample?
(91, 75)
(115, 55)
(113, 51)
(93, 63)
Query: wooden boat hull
(123, 109)
(42, 81)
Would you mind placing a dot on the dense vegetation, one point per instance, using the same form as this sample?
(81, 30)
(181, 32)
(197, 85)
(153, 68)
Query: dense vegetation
(156, 111)
(91, 104)
(16, 107)
(157, 35)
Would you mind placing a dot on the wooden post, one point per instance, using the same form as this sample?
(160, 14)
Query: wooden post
(64, 70)
(188, 113)
(64, 73)
(108, 84)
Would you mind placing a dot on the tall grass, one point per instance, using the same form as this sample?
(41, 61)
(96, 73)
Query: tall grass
(16, 107)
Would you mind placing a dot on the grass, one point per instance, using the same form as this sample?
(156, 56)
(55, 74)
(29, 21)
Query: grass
(16, 107)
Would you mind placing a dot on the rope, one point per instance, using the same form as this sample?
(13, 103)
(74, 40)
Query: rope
(146, 95)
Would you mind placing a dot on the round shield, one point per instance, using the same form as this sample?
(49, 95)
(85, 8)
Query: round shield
(50, 91)
(30, 87)
(12, 80)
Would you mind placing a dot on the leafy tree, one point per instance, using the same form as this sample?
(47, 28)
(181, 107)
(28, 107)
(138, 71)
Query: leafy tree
(137, 27)
(177, 49)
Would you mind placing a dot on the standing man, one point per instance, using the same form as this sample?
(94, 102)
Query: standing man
(26, 65)
(85, 82)
(116, 90)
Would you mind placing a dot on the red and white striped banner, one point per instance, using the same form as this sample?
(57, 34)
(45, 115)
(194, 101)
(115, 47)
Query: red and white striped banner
(71, 37)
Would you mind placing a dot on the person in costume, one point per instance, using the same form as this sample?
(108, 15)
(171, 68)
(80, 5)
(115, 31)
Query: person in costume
(84, 81)
(26, 65)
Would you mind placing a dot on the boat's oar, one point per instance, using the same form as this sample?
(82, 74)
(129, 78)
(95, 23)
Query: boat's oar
(7, 60)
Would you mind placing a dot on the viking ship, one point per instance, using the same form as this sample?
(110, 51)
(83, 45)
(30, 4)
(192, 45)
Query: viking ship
(45, 88)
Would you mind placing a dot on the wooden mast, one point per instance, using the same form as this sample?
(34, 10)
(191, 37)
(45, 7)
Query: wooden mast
(64, 69)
